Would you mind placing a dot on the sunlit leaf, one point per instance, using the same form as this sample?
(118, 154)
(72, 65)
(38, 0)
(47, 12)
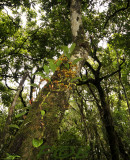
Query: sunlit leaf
(46, 69)
(42, 112)
(72, 47)
(52, 66)
(37, 142)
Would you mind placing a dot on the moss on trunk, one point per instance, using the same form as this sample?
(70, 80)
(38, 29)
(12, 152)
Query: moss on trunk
(34, 126)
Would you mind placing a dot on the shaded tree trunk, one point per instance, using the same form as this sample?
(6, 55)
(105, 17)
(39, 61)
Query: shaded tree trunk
(108, 124)
(115, 143)
(6, 135)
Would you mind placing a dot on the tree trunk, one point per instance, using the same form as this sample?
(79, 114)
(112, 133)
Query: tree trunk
(53, 102)
(6, 135)
(38, 127)
(108, 124)
(12, 107)
(116, 145)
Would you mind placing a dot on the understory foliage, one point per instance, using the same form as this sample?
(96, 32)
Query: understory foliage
(42, 49)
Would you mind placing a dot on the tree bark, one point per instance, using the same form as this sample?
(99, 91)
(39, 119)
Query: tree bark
(34, 126)
(108, 124)
(53, 102)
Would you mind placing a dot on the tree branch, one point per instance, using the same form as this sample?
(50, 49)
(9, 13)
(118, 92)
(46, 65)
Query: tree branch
(91, 68)
(8, 86)
(97, 101)
(86, 82)
(111, 16)
(107, 76)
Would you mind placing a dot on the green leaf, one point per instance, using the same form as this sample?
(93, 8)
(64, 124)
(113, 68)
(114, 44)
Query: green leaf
(14, 126)
(67, 65)
(65, 49)
(12, 157)
(37, 142)
(58, 63)
(72, 47)
(77, 60)
(74, 79)
(42, 112)
(20, 114)
(46, 69)
(20, 120)
(50, 60)
(68, 55)
(52, 66)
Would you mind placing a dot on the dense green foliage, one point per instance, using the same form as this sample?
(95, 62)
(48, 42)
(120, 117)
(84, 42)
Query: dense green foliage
(28, 48)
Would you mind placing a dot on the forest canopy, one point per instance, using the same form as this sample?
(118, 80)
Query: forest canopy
(64, 79)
